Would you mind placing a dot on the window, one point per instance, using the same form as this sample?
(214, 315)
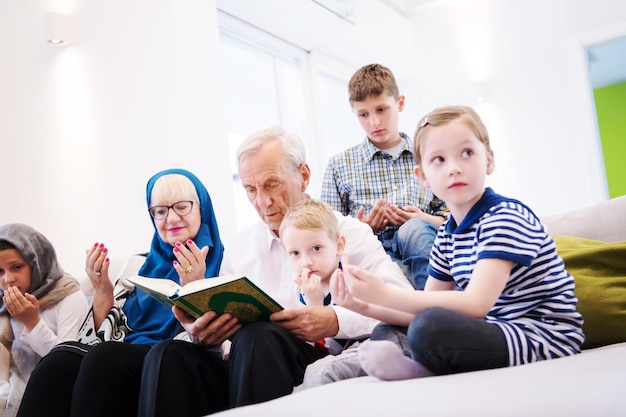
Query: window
(270, 81)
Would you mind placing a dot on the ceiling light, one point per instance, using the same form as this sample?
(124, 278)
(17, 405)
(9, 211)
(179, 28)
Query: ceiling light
(57, 29)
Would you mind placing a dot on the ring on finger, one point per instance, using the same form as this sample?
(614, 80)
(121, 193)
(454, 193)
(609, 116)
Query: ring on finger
(189, 269)
(98, 273)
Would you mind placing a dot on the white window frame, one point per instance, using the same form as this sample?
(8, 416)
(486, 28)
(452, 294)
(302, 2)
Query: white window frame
(314, 66)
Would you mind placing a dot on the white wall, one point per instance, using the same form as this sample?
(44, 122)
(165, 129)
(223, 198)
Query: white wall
(529, 56)
(336, 48)
(82, 128)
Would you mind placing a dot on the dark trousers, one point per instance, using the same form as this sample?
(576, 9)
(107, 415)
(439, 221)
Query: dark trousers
(182, 379)
(173, 378)
(79, 380)
(448, 342)
(266, 362)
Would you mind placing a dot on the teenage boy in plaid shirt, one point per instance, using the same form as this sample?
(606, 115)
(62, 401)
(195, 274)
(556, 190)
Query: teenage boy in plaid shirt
(374, 181)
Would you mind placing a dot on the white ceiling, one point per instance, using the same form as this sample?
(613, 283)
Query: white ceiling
(607, 60)
(405, 7)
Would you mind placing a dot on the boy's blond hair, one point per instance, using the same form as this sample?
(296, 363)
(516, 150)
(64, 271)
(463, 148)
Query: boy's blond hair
(444, 115)
(310, 214)
(371, 81)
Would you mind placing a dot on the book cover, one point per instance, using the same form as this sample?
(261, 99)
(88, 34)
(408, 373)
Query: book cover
(232, 294)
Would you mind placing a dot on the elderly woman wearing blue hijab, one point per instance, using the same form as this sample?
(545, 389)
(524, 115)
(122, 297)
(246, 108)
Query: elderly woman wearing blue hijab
(101, 375)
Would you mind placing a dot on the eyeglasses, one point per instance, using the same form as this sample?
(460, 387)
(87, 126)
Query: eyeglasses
(182, 208)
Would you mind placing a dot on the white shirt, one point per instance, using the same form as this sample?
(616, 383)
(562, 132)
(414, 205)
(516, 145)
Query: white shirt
(257, 253)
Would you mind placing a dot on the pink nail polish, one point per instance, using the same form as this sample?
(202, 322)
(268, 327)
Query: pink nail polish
(189, 242)
(176, 250)
(177, 243)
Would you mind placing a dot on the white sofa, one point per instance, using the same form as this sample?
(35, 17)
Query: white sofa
(589, 384)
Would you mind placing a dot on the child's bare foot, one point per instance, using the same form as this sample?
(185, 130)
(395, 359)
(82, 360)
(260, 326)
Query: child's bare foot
(384, 360)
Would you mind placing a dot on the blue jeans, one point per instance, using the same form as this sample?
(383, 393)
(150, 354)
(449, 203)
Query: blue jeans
(395, 334)
(410, 246)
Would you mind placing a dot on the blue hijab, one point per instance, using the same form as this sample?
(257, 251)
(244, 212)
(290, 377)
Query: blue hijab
(150, 321)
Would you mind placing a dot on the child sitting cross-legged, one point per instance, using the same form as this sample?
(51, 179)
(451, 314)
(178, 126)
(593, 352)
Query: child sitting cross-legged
(517, 302)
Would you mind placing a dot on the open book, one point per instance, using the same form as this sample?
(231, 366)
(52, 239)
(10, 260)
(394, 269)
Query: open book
(233, 294)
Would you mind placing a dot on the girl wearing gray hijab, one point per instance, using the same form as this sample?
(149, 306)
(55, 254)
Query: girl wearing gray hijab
(40, 306)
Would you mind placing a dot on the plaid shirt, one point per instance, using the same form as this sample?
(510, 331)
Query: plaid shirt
(363, 174)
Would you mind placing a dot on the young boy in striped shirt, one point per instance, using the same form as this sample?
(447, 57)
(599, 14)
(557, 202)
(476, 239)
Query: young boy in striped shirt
(517, 302)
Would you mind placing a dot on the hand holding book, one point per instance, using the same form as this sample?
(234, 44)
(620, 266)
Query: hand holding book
(232, 294)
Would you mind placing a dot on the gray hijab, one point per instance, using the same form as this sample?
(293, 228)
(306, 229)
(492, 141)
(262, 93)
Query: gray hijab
(39, 253)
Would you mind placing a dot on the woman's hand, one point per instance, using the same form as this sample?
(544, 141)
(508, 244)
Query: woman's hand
(22, 307)
(191, 261)
(207, 330)
(97, 268)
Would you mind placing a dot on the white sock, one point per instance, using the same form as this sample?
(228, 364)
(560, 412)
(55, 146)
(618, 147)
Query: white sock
(385, 360)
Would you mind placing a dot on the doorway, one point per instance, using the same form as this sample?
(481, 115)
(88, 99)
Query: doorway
(606, 63)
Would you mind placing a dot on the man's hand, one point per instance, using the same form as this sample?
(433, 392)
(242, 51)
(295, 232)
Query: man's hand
(308, 322)
(207, 330)
(376, 217)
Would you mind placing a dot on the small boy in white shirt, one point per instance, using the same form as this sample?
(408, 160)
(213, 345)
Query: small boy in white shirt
(310, 234)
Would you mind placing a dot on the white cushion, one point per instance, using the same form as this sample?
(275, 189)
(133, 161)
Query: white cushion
(588, 384)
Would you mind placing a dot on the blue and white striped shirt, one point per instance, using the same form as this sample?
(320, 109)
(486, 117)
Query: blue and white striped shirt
(537, 308)
(362, 174)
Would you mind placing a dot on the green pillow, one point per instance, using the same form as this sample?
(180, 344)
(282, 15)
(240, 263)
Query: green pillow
(599, 271)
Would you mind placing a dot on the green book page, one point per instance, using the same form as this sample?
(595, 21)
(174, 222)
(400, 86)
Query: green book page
(240, 297)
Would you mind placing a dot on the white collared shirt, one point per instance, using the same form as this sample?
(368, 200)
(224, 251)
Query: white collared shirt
(257, 253)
